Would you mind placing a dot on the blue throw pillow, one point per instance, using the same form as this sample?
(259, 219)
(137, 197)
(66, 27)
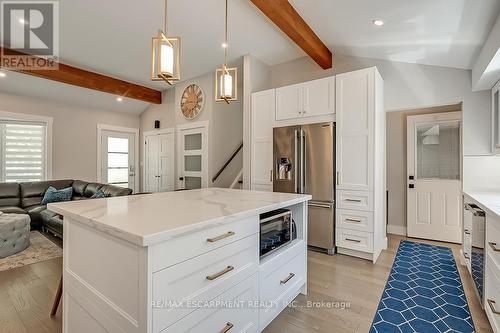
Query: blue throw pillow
(54, 195)
(97, 195)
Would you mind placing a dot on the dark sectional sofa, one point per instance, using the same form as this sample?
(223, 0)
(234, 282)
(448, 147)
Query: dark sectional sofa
(26, 198)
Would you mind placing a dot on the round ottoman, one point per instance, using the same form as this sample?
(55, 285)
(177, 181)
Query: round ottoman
(14, 233)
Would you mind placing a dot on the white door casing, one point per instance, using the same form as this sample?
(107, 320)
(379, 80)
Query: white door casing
(434, 176)
(192, 143)
(159, 161)
(117, 167)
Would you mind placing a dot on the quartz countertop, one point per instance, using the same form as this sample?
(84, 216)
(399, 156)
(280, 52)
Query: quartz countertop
(489, 201)
(147, 219)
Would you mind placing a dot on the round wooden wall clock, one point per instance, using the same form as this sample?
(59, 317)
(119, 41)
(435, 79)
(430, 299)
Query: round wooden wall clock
(192, 101)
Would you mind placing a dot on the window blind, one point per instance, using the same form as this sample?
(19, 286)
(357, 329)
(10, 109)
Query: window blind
(23, 151)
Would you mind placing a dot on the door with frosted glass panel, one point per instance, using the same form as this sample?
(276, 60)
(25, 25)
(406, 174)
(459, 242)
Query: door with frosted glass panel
(118, 158)
(193, 164)
(434, 177)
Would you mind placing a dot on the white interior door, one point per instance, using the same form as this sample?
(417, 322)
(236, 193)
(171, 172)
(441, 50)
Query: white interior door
(159, 162)
(434, 178)
(193, 156)
(151, 163)
(118, 158)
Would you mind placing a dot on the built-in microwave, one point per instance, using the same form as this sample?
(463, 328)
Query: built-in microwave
(277, 229)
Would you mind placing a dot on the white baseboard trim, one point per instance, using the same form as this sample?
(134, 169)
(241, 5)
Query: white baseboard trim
(396, 230)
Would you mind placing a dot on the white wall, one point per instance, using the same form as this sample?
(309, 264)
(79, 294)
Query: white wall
(225, 121)
(74, 132)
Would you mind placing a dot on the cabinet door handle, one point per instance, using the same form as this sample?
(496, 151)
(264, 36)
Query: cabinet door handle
(288, 278)
(217, 275)
(227, 328)
(492, 303)
(353, 240)
(271, 175)
(353, 200)
(353, 220)
(467, 232)
(338, 178)
(494, 246)
(221, 237)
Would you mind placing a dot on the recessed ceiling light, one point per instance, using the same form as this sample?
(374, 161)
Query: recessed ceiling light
(119, 99)
(2, 74)
(22, 21)
(224, 45)
(378, 22)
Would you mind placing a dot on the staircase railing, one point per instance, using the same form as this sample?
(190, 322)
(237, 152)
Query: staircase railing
(230, 159)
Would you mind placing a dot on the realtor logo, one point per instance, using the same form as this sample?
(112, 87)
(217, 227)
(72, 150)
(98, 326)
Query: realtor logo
(30, 34)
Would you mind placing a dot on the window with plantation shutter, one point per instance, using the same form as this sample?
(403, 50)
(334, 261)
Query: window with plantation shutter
(23, 151)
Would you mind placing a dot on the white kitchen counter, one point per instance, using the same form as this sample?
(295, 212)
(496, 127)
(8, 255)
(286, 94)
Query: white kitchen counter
(486, 200)
(152, 218)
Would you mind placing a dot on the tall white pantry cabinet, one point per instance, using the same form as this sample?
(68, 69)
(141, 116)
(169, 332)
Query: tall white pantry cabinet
(354, 100)
(361, 162)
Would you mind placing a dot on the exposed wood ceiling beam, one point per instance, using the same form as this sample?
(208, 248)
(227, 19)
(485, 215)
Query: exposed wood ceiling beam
(91, 80)
(282, 13)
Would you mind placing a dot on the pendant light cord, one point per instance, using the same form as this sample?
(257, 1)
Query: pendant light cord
(225, 38)
(165, 22)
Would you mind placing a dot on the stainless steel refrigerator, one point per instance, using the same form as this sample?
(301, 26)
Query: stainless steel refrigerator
(304, 162)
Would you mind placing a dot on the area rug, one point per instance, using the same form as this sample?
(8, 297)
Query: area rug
(40, 249)
(424, 293)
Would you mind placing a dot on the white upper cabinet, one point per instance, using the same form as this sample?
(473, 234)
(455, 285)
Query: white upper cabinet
(309, 99)
(355, 105)
(319, 97)
(289, 102)
(262, 117)
(495, 119)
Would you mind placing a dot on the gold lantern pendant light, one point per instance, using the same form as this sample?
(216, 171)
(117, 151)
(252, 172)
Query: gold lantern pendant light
(226, 79)
(165, 64)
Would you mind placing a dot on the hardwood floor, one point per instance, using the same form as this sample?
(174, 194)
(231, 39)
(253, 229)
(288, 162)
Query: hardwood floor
(26, 295)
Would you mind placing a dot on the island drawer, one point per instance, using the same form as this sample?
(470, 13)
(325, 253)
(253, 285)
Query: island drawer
(355, 220)
(188, 246)
(202, 279)
(492, 295)
(232, 311)
(280, 279)
(493, 241)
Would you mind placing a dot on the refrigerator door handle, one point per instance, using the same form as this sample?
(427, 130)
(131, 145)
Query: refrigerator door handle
(296, 136)
(304, 163)
(301, 184)
(320, 205)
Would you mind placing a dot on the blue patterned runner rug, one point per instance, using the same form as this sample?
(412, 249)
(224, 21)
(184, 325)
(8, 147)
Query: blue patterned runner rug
(423, 293)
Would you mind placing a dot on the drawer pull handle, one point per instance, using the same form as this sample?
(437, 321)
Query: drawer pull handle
(227, 328)
(217, 275)
(353, 240)
(288, 278)
(353, 220)
(494, 246)
(492, 303)
(221, 237)
(353, 200)
(467, 232)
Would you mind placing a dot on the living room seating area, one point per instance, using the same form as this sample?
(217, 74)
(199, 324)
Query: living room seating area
(26, 198)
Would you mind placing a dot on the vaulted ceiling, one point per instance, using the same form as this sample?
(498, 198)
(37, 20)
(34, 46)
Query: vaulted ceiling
(113, 37)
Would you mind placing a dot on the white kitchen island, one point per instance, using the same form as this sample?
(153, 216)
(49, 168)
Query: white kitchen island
(175, 262)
